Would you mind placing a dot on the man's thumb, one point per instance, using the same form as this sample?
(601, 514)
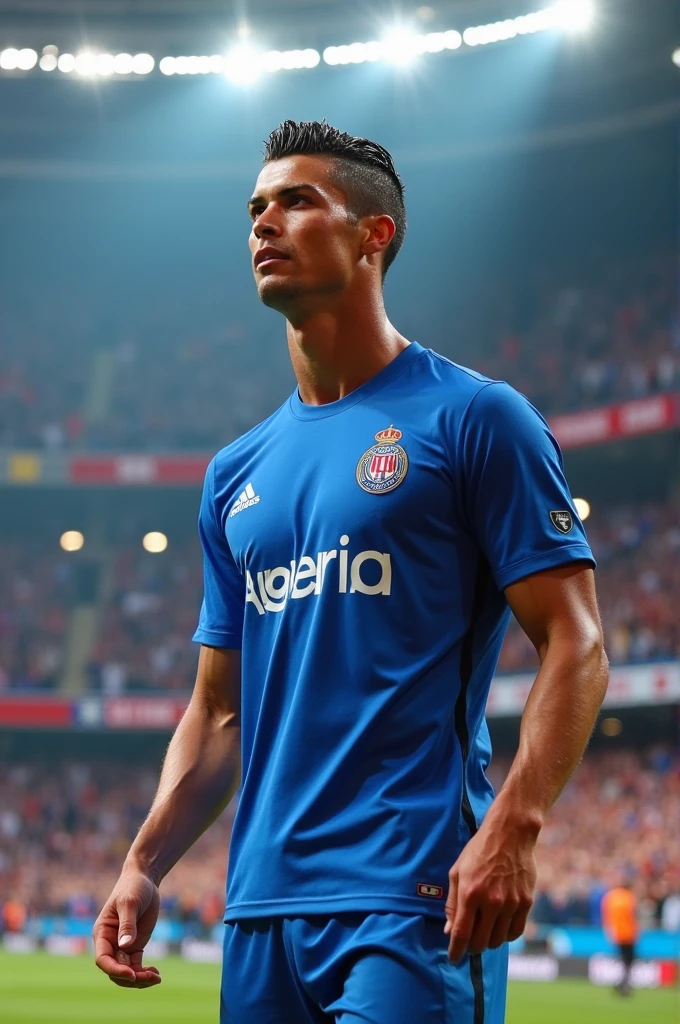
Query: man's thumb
(127, 930)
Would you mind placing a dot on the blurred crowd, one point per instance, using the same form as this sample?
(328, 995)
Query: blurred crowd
(637, 549)
(35, 593)
(178, 378)
(568, 347)
(149, 617)
(65, 829)
(150, 605)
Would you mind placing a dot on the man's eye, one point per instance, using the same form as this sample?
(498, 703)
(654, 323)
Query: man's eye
(298, 199)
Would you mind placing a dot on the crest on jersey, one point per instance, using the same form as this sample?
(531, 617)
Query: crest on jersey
(384, 466)
(563, 521)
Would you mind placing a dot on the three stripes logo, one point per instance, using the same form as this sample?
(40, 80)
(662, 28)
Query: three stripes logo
(245, 499)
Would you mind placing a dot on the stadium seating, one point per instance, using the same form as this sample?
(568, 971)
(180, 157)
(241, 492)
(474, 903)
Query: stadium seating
(150, 609)
(64, 830)
(162, 382)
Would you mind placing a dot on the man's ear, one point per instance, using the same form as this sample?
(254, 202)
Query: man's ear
(380, 231)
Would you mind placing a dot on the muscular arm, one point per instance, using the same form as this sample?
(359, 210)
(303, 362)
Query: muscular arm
(201, 768)
(558, 612)
(491, 884)
(200, 775)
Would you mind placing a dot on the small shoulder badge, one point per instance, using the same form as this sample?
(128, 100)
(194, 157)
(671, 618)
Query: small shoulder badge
(384, 466)
(563, 521)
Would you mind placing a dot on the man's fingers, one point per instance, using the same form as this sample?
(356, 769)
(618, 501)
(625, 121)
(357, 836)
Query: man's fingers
(142, 980)
(485, 922)
(451, 902)
(499, 932)
(461, 928)
(519, 922)
(109, 965)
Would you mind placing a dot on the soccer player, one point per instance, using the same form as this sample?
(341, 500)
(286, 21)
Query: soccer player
(362, 549)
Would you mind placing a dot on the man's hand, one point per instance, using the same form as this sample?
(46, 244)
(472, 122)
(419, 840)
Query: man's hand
(491, 889)
(123, 929)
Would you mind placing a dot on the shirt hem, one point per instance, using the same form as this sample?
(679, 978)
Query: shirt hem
(578, 552)
(367, 904)
(233, 641)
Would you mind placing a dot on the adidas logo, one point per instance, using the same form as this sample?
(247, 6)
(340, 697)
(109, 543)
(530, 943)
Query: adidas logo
(245, 500)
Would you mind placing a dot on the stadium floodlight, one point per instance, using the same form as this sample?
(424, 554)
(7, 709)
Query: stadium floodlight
(243, 64)
(400, 46)
(574, 15)
(582, 508)
(48, 62)
(27, 59)
(12, 59)
(675, 57)
(167, 65)
(9, 59)
(71, 540)
(143, 64)
(154, 542)
(104, 64)
(204, 65)
(66, 62)
(86, 63)
(122, 64)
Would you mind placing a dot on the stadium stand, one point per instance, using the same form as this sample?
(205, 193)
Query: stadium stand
(64, 830)
(35, 593)
(638, 580)
(150, 606)
(164, 383)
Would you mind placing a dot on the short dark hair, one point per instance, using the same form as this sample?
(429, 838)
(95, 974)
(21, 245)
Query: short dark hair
(364, 171)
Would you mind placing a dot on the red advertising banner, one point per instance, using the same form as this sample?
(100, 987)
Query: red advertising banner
(36, 712)
(613, 422)
(143, 712)
(148, 469)
(135, 470)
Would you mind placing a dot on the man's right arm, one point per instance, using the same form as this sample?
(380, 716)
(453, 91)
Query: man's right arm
(199, 777)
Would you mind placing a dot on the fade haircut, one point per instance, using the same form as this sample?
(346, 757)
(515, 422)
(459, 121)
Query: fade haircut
(363, 170)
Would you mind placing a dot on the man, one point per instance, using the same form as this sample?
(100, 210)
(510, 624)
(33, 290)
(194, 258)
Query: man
(619, 918)
(362, 546)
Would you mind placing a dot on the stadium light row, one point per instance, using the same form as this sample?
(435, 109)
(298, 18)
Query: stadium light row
(154, 542)
(245, 63)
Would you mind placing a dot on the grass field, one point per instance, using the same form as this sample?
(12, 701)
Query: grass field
(40, 989)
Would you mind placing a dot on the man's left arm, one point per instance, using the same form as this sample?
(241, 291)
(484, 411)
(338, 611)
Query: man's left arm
(491, 884)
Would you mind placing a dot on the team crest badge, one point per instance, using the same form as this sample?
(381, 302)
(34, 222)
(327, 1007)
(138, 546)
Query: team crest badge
(563, 521)
(384, 466)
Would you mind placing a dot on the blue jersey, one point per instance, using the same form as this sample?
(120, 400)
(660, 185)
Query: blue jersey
(358, 553)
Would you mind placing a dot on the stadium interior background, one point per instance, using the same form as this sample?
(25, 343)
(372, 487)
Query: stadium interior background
(542, 195)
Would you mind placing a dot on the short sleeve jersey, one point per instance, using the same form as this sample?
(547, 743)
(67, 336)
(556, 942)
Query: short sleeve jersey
(358, 553)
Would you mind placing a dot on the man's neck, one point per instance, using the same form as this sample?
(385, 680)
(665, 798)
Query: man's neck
(335, 352)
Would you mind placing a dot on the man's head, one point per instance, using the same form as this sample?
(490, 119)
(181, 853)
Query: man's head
(331, 204)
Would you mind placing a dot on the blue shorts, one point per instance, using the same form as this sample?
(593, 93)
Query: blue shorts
(356, 969)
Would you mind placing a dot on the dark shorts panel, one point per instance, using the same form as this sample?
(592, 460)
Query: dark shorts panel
(355, 969)
(627, 953)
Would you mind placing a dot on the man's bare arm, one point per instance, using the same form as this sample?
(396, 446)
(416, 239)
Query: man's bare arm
(200, 775)
(492, 882)
(201, 768)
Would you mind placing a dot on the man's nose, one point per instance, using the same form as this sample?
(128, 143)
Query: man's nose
(266, 226)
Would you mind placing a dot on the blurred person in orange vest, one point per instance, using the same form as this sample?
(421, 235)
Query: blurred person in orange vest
(619, 918)
(13, 916)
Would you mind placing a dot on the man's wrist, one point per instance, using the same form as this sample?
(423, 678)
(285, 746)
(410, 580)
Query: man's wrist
(516, 817)
(136, 862)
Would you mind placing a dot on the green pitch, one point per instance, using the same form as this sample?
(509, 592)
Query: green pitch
(39, 989)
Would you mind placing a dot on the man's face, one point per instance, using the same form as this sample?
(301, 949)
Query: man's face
(301, 216)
